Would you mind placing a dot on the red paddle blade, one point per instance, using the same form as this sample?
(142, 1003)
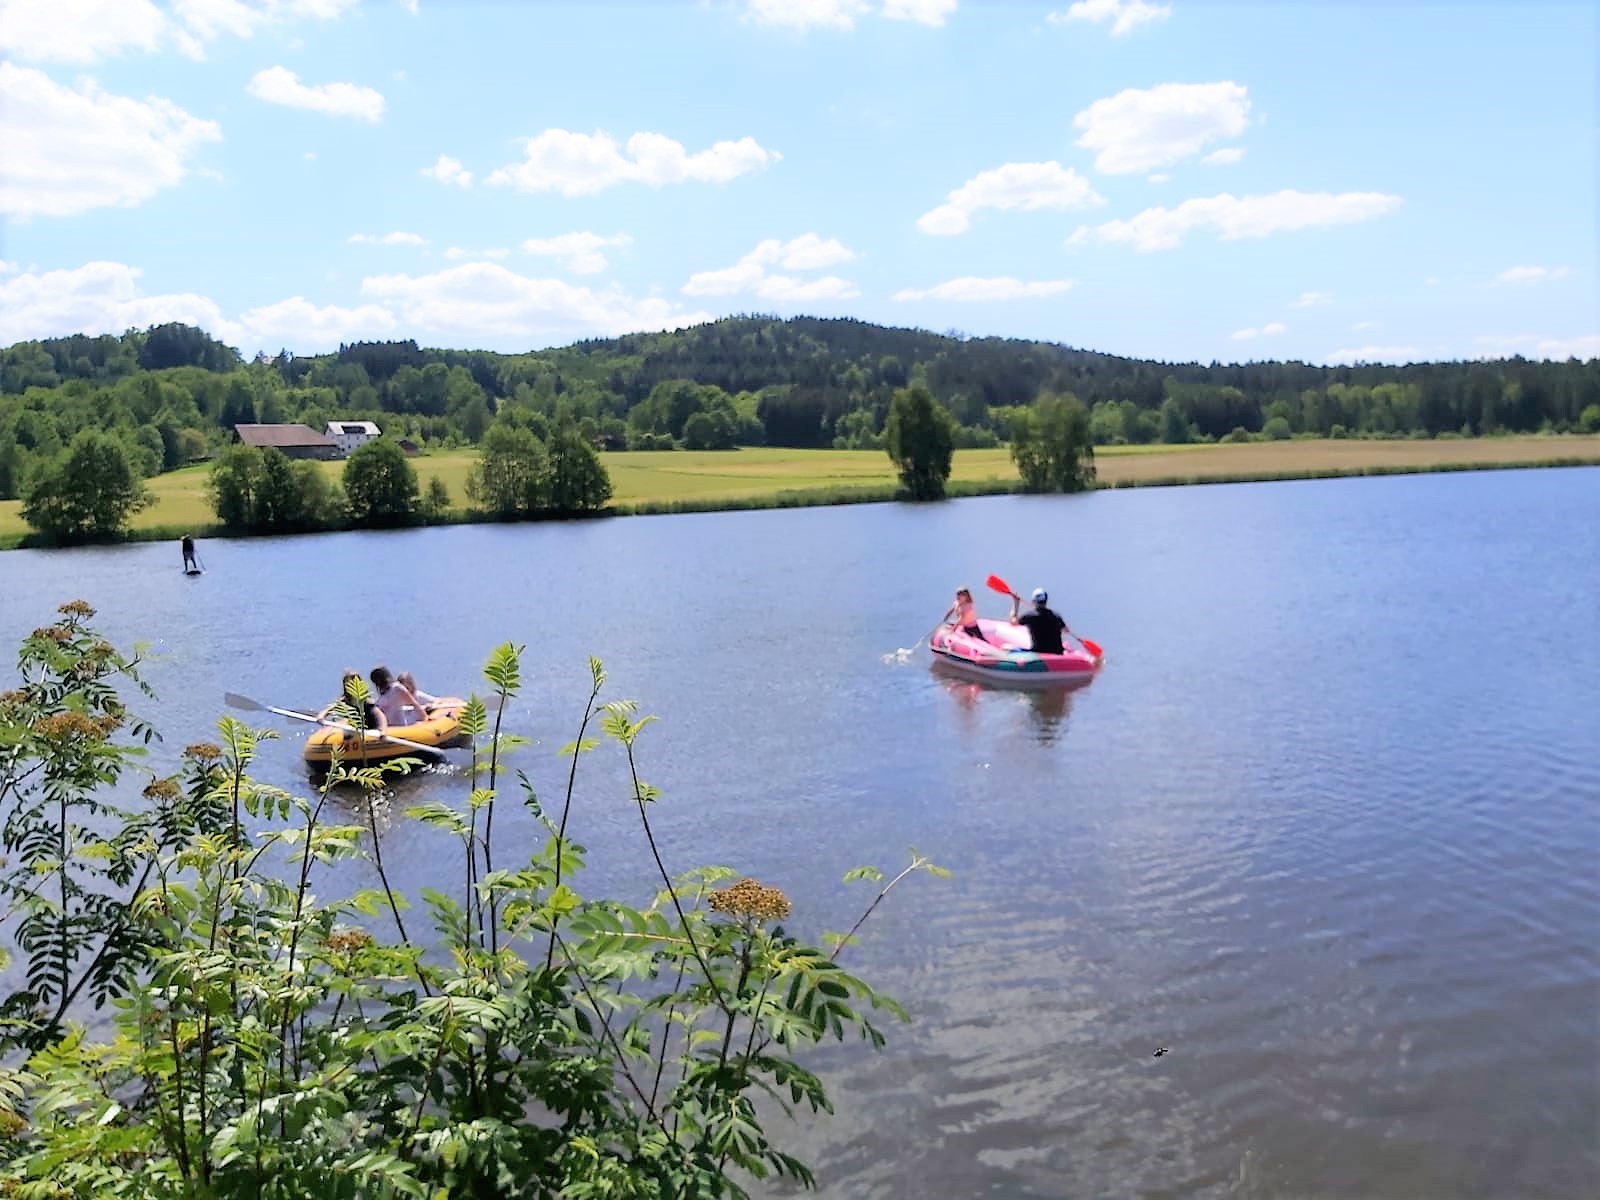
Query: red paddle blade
(999, 585)
(1093, 647)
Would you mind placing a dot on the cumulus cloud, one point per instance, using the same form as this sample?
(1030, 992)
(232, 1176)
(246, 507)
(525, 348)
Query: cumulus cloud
(449, 170)
(467, 306)
(973, 288)
(1374, 354)
(924, 12)
(1360, 325)
(580, 164)
(1312, 299)
(397, 238)
(476, 300)
(457, 253)
(808, 252)
(1137, 130)
(279, 85)
(89, 31)
(808, 14)
(1025, 186)
(843, 14)
(70, 150)
(1271, 329)
(1235, 217)
(1537, 345)
(1124, 15)
(1524, 275)
(578, 252)
(1224, 157)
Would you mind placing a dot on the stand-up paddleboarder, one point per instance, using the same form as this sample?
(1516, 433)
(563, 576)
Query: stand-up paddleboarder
(190, 566)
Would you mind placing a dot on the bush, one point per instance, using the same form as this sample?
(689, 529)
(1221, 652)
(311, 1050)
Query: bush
(87, 491)
(1338, 431)
(270, 1043)
(1238, 434)
(380, 484)
(1589, 419)
(1276, 429)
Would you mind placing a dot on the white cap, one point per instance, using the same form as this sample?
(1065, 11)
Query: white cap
(1040, 596)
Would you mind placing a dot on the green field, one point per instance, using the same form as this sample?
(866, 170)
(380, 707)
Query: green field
(718, 478)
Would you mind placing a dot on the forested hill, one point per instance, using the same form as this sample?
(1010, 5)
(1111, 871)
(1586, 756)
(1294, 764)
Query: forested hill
(174, 393)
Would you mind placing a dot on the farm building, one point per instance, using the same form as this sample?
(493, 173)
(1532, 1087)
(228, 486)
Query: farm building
(296, 441)
(347, 435)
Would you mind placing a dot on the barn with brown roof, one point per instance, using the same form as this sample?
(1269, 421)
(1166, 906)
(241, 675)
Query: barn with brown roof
(296, 441)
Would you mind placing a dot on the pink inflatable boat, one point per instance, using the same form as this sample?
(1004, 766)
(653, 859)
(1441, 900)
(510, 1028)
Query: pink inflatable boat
(1002, 655)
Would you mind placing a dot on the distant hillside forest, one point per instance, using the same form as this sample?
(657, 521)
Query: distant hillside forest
(172, 394)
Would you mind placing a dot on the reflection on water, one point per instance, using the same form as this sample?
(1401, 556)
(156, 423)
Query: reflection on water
(1322, 827)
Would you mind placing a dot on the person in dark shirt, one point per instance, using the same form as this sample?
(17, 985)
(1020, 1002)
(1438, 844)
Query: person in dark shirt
(371, 715)
(189, 563)
(1043, 625)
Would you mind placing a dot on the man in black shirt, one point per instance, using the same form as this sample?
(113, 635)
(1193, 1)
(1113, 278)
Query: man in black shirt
(1043, 625)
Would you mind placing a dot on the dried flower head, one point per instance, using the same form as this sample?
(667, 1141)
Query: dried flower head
(13, 698)
(77, 608)
(161, 789)
(52, 633)
(747, 898)
(348, 941)
(10, 1123)
(65, 725)
(203, 751)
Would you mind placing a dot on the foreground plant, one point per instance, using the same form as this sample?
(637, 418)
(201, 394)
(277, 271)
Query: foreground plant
(539, 1043)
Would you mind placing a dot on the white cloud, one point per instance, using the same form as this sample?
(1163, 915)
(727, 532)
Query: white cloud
(465, 306)
(578, 252)
(68, 151)
(1137, 130)
(1158, 178)
(1519, 275)
(1360, 325)
(88, 31)
(449, 170)
(279, 85)
(482, 300)
(78, 31)
(456, 253)
(1312, 299)
(1223, 157)
(579, 164)
(808, 14)
(808, 252)
(397, 238)
(924, 12)
(1124, 15)
(1026, 186)
(1533, 345)
(972, 288)
(1232, 218)
(1271, 329)
(1375, 354)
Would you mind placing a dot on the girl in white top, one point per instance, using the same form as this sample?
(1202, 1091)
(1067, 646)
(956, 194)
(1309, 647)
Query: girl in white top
(395, 700)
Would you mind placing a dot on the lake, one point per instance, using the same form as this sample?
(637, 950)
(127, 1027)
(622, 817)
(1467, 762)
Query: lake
(1325, 829)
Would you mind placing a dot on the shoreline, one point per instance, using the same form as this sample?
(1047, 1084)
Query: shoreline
(1127, 470)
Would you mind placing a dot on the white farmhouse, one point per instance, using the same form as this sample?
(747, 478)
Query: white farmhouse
(347, 435)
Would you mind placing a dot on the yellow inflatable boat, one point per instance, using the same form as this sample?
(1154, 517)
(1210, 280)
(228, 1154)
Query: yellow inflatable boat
(358, 746)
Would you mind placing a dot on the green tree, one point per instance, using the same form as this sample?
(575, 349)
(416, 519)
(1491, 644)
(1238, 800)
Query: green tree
(1052, 446)
(509, 478)
(380, 486)
(436, 501)
(577, 481)
(1174, 425)
(235, 479)
(1589, 419)
(920, 440)
(89, 490)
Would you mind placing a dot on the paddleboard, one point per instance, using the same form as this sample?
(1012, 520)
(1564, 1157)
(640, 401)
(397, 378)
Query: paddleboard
(196, 571)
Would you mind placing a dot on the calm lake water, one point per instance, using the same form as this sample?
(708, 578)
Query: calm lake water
(1326, 827)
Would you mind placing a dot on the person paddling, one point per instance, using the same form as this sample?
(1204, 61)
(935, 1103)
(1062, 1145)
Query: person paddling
(189, 563)
(371, 715)
(964, 614)
(1042, 624)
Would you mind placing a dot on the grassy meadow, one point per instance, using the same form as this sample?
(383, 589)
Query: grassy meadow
(659, 480)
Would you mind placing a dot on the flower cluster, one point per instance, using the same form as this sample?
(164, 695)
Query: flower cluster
(77, 608)
(59, 634)
(348, 941)
(747, 898)
(203, 751)
(161, 789)
(64, 725)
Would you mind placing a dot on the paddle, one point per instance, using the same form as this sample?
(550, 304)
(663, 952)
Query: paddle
(996, 584)
(234, 700)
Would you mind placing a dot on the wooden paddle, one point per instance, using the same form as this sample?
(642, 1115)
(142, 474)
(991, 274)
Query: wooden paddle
(234, 700)
(996, 584)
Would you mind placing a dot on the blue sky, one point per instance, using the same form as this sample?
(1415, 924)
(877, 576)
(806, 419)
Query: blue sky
(1178, 181)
